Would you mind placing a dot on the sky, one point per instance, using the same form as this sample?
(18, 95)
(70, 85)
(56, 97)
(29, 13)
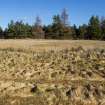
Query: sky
(79, 10)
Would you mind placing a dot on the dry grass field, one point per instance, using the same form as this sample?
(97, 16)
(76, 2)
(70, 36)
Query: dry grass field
(34, 45)
(52, 72)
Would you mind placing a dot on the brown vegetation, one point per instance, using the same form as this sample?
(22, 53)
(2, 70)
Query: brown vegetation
(51, 73)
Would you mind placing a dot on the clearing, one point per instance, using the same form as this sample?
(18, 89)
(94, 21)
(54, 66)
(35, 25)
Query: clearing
(52, 72)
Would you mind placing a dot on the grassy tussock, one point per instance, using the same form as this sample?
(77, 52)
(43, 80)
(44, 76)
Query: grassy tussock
(69, 76)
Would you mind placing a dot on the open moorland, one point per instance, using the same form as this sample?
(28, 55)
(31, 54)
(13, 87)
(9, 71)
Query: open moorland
(52, 72)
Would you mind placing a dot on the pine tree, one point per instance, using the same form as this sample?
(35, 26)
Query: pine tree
(94, 29)
(37, 29)
(83, 31)
(64, 17)
(103, 28)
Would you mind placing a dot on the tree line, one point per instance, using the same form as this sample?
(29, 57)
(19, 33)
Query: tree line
(58, 29)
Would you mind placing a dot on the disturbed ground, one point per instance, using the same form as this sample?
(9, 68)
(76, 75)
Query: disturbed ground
(52, 73)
